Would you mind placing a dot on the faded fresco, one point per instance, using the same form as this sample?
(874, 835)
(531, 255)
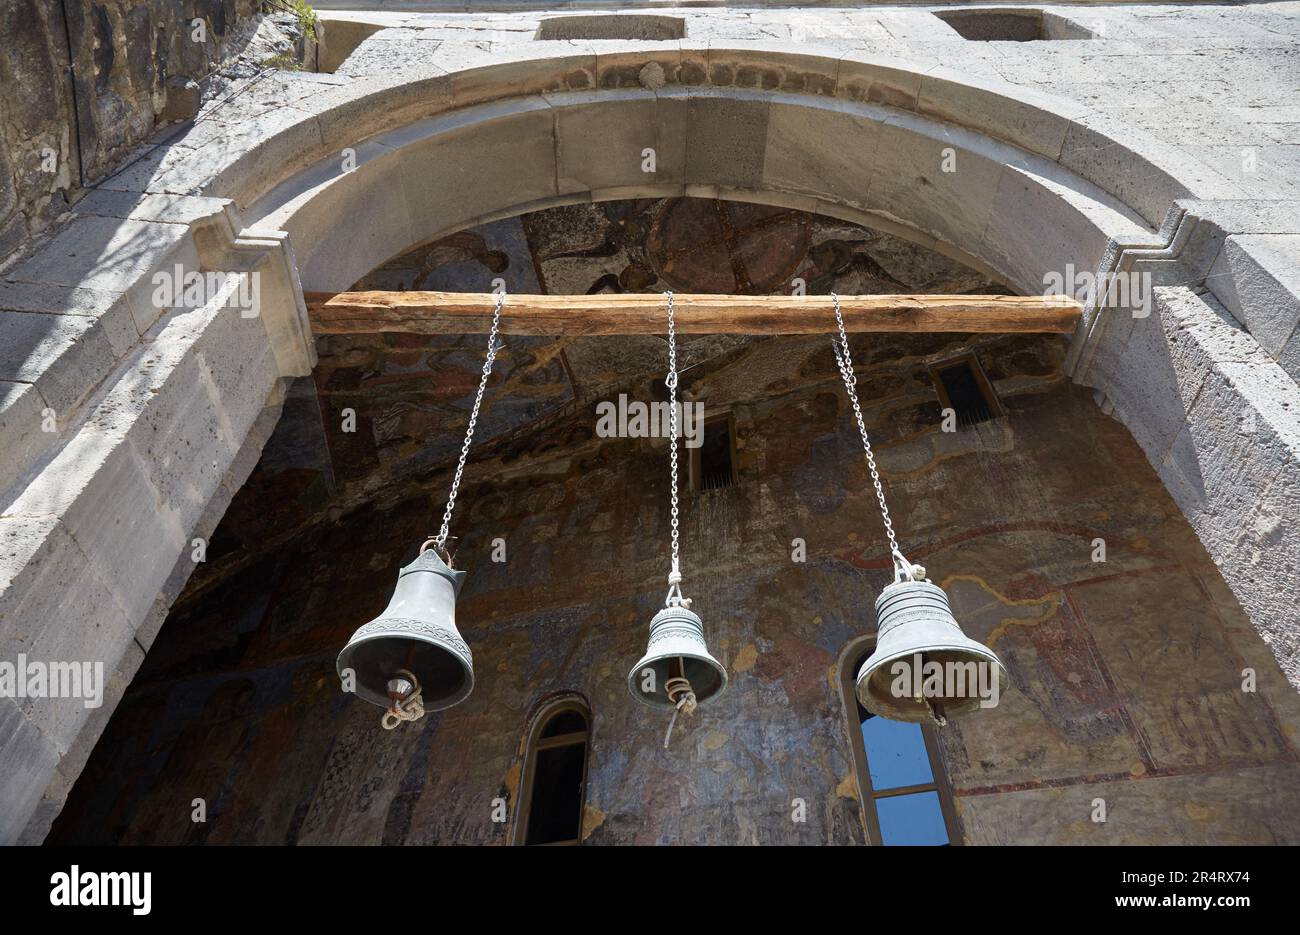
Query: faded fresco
(1126, 673)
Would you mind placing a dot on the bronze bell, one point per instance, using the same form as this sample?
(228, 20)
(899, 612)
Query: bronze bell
(915, 627)
(676, 651)
(415, 636)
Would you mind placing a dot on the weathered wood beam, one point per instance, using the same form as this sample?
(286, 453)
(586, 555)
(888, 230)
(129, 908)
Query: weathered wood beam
(563, 315)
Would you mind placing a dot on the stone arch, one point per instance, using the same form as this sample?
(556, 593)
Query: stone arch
(151, 446)
(1003, 210)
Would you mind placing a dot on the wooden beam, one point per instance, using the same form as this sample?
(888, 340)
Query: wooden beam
(570, 315)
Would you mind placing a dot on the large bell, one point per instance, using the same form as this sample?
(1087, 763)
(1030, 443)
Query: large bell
(915, 627)
(676, 650)
(416, 632)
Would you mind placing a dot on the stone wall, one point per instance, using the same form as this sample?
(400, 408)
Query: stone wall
(1127, 675)
(86, 83)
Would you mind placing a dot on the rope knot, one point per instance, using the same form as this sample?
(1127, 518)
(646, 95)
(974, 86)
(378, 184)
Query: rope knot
(682, 696)
(407, 704)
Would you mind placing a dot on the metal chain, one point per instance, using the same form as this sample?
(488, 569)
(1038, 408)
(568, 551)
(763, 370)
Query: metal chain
(675, 576)
(440, 541)
(845, 364)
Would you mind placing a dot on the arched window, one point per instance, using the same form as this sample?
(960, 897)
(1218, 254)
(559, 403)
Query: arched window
(904, 790)
(554, 786)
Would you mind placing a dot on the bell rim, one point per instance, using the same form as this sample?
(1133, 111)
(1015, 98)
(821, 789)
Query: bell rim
(978, 649)
(666, 705)
(466, 663)
(923, 716)
(914, 713)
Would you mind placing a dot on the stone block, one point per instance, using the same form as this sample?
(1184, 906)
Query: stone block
(1038, 225)
(823, 149)
(116, 681)
(551, 67)
(100, 490)
(601, 139)
(55, 606)
(475, 162)
(349, 114)
(107, 254)
(146, 171)
(341, 36)
(140, 206)
(111, 308)
(368, 201)
(1141, 170)
(726, 137)
(27, 760)
(65, 356)
(182, 98)
(113, 256)
(22, 438)
(1257, 278)
(910, 185)
(1020, 116)
(249, 158)
(1247, 216)
(1108, 155)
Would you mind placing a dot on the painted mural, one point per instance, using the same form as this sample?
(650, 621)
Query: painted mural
(1126, 673)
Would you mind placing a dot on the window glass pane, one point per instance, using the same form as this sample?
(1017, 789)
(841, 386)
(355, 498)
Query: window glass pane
(566, 722)
(555, 813)
(911, 819)
(896, 753)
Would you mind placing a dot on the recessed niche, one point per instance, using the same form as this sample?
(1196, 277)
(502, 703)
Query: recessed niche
(713, 464)
(629, 27)
(1011, 24)
(963, 387)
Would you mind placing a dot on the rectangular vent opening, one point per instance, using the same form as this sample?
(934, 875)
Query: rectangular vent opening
(1011, 24)
(628, 27)
(964, 388)
(713, 464)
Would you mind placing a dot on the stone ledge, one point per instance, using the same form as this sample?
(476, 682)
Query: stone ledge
(1257, 278)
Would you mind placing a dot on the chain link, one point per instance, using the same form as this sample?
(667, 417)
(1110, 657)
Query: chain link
(440, 541)
(845, 364)
(671, 381)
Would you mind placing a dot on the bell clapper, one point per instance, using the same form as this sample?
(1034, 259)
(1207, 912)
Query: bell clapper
(407, 705)
(936, 713)
(680, 693)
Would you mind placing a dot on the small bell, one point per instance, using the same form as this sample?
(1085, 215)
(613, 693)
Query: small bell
(915, 627)
(676, 651)
(414, 643)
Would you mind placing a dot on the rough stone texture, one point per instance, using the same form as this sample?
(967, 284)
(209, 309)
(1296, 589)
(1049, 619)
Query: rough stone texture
(1257, 277)
(131, 63)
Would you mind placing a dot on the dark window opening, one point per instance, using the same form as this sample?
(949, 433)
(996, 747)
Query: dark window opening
(713, 463)
(555, 778)
(1011, 25)
(963, 387)
(556, 812)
